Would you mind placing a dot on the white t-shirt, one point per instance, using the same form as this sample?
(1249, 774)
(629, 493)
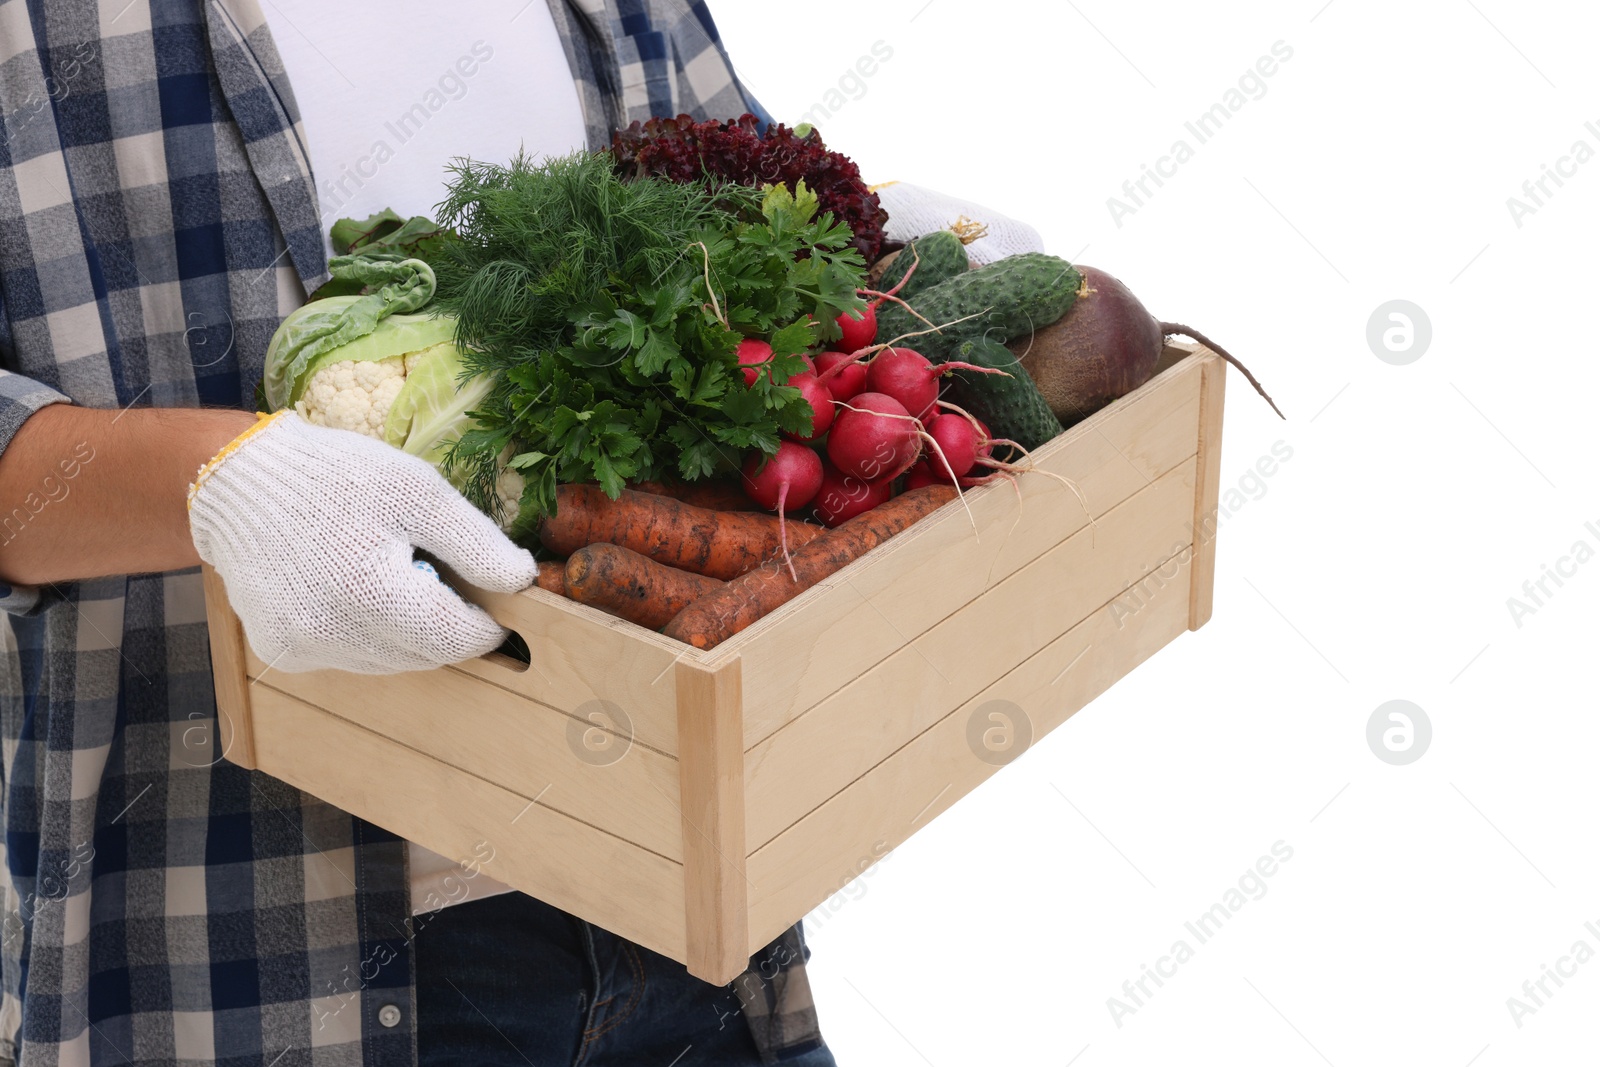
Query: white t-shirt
(384, 117)
(385, 112)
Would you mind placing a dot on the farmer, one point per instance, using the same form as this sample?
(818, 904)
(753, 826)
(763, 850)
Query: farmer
(168, 173)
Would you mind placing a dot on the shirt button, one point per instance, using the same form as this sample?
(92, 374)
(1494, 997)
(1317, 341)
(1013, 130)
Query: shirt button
(389, 1015)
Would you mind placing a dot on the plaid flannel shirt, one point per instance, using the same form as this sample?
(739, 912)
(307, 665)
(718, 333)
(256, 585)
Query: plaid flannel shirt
(157, 220)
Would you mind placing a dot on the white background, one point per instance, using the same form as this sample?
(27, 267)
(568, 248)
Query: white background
(1376, 564)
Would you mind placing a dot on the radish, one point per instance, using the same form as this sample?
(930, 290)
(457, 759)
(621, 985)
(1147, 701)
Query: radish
(753, 351)
(986, 442)
(985, 439)
(921, 475)
(844, 496)
(958, 443)
(906, 375)
(848, 381)
(874, 438)
(790, 479)
(821, 401)
(982, 455)
(858, 331)
(842, 364)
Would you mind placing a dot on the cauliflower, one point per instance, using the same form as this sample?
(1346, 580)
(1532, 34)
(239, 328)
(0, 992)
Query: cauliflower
(508, 494)
(354, 394)
(362, 395)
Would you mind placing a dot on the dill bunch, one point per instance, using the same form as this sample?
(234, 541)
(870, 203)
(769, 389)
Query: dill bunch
(537, 241)
(610, 311)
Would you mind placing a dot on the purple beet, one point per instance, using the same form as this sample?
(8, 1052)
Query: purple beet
(1104, 348)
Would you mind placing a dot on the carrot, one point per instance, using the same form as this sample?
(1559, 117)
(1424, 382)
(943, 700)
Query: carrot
(714, 618)
(718, 495)
(552, 576)
(632, 586)
(718, 544)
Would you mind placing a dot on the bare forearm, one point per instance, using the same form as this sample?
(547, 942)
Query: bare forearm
(86, 492)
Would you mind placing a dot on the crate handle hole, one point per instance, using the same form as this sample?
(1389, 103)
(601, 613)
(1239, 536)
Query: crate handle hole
(513, 653)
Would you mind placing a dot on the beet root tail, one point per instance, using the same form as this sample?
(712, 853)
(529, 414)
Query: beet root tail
(1170, 328)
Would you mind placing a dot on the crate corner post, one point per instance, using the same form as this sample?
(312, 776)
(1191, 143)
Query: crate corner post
(235, 732)
(712, 795)
(1208, 476)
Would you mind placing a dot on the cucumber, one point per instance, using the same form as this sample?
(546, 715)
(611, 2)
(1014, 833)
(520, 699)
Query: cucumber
(1008, 299)
(1012, 407)
(939, 256)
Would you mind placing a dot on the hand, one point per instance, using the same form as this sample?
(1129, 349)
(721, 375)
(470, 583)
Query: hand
(914, 211)
(312, 531)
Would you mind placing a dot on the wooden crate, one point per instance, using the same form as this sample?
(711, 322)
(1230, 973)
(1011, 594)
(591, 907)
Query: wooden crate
(701, 802)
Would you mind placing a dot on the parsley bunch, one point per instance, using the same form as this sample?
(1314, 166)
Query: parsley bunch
(610, 313)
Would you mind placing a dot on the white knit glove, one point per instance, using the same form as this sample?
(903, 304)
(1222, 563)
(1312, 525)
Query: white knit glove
(914, 211)
(312, 531)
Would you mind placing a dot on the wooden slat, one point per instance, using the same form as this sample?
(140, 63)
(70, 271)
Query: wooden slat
(802, 765)
(1172, 353)
(1203, 568)
(524, 747)
(832, 633)
(808, 862)
(711, 754)
(563, 862)
(583, 661)
(581, 655)
(228, 656)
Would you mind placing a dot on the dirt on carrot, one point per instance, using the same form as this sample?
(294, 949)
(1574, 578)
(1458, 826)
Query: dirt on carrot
(714, 618)
(634, 587)
(712, 495)
(718, 544)
(552, 576)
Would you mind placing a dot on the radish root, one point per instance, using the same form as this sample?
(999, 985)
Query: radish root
(957, 365)
(783, 531)
(959, 494)
(895, 300)
(1003, 468)
(873, 349)
(916, 261)
(925, 436)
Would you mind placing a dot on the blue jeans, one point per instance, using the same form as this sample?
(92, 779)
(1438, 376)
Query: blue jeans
(508, 981)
